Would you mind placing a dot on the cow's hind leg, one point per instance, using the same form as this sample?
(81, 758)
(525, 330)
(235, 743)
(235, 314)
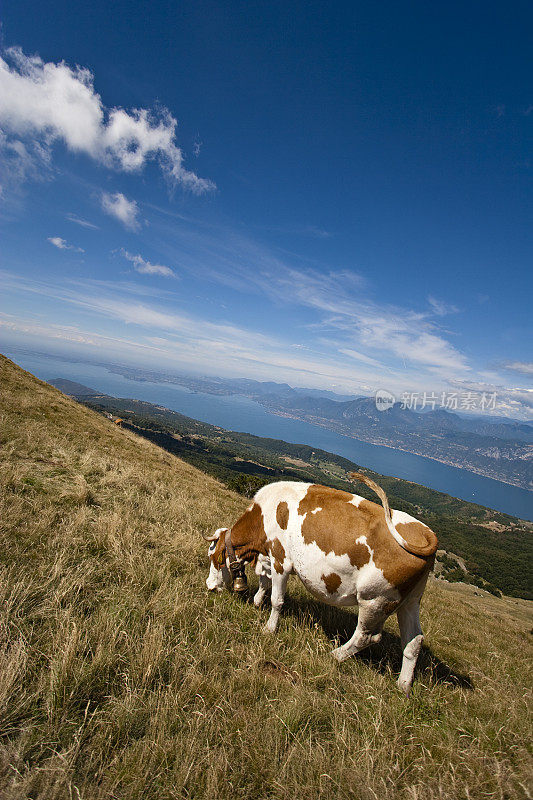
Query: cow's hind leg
(279, 585)
(412, 638)
(369, 628)
(410, 632)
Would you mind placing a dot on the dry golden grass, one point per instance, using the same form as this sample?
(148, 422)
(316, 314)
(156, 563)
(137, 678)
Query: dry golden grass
(120, 677)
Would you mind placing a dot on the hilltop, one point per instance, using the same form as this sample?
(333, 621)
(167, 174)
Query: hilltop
(120, 677)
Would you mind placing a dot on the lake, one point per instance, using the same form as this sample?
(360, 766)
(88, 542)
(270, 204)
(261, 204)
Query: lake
(241, 414)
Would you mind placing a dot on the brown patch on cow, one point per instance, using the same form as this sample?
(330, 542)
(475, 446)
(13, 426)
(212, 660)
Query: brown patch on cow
(332, 581)
(401, 569)
(247, 536)
(282, 515)
(277, 551)
(417, 535)
(337, 524)
(388, 608)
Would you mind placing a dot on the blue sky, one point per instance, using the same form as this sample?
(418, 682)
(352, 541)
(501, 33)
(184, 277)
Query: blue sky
(333, 195)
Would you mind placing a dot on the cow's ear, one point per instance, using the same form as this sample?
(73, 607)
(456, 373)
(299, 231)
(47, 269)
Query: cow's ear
(219, 555)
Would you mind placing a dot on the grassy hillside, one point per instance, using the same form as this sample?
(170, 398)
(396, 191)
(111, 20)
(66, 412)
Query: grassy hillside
(120, 677)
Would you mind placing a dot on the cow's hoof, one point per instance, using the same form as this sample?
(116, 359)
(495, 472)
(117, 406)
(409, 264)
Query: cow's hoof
(267, 628)
(405, 687)
(340, 654)
(258, 600)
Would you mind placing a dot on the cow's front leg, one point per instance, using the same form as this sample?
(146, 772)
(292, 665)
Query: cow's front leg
(263, 569)
(279, 586)
(264, 585)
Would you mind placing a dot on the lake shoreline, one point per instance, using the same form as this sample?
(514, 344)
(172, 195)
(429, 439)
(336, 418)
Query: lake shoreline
(394, 448)
(239, 413)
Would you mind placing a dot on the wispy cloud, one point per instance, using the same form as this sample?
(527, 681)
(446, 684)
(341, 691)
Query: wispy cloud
(62, 244)
(67, 333)
(198, 343)
(408, 335)
(45, 102)
(441, 308)
(523, 367)
(118, 206)
(145, 267)
(83, 222)
(339, 298)
(347, 351)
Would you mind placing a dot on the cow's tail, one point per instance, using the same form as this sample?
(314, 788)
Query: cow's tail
(417, 550)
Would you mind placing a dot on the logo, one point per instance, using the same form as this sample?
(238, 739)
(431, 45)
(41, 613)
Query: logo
(384, 400)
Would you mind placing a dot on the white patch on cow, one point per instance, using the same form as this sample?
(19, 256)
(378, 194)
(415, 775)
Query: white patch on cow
(372, 583)
(217, 578)
(263, 566)
(356, 500)
(270, 496)
(401, 517)
(316, 510)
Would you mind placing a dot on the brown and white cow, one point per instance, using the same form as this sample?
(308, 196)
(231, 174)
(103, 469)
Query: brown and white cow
(346, 550)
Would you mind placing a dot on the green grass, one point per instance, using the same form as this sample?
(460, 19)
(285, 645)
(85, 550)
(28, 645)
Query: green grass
(120, 677)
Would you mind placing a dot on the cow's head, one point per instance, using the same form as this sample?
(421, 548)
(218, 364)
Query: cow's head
(221, 571)
(219, 574)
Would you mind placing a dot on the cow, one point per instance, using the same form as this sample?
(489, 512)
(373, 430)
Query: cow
(345, 549)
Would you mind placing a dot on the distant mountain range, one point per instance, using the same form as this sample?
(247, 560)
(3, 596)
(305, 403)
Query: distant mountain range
(494, 448)
(488, 446)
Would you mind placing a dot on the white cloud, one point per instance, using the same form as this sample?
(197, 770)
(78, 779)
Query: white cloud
(513, 401)
(83, 222)
(44, 103)
(68, 333)
(524, 367)
(145, 267)
(117, 205)
(62, 244)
